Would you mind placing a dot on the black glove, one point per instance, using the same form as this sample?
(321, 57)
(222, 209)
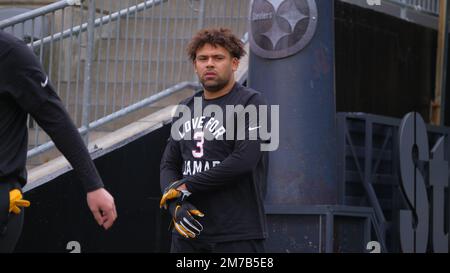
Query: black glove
(171, 193)
(182, 218)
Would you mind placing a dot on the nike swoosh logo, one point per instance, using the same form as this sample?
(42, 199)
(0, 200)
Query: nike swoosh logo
(44, 84)
(253, 128)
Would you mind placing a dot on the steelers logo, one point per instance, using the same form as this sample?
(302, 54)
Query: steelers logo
(281, 28)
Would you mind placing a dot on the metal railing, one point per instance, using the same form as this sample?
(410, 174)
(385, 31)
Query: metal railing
(110, 58)
(428, 6)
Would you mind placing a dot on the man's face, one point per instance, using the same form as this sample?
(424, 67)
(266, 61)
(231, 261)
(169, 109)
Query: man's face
(214, 66)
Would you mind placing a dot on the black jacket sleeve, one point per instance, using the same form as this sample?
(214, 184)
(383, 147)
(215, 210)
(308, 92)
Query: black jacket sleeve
(56, 122)
(35, 94)
(242, 161)
(171, 164)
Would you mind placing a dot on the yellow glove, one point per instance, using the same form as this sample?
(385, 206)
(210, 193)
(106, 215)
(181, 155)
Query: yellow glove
(16, 201)
(183, 220)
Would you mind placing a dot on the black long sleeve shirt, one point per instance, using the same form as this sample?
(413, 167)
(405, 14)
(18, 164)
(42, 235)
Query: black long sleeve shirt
(226, 177)
(25, 89)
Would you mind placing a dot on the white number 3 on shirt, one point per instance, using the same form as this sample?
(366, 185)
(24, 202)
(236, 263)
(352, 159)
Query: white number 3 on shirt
(199, 136)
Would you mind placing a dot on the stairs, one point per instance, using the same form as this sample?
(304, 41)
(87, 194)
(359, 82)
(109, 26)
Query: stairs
(134, 57)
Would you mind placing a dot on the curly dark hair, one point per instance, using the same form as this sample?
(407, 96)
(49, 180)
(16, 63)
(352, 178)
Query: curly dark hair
(216, 36)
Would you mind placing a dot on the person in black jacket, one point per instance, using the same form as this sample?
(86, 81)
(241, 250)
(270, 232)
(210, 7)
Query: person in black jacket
(212, 181)
(26, 89)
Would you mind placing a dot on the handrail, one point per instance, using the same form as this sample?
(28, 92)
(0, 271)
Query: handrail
(143, 103)
(426, 6)
(99, 21)
(38, 12)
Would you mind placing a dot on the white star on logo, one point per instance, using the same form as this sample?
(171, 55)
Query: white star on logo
(292, 15)
(275, 34)
(276, 3)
